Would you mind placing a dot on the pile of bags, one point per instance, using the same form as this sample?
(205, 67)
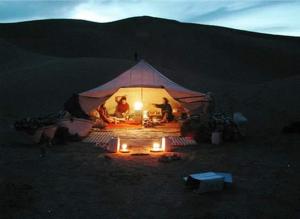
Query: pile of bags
(49, 129)
(202, 127)
(30, 125)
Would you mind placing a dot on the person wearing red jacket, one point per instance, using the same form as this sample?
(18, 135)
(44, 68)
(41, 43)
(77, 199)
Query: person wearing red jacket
(122, 108)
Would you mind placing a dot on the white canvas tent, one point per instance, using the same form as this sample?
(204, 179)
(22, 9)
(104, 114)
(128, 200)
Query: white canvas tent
(141, 83)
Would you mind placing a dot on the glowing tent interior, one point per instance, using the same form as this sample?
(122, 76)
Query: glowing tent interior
(142, 85)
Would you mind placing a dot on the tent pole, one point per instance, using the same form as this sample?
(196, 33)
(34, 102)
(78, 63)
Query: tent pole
(142, 108)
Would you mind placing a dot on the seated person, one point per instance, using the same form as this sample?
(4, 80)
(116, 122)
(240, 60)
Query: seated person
(103, 114)
(122, 108)
(101, 117)
(166, 110)
(94, 115)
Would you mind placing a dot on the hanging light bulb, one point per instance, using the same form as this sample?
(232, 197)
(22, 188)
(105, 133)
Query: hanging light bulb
(138, 106)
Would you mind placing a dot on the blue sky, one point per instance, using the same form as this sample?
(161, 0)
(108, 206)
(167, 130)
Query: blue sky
(267, 16)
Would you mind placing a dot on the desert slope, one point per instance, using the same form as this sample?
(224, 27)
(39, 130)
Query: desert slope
(196, 49)
(44, 62)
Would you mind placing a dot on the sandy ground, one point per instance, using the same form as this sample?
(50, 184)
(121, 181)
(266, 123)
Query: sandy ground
(78, 180)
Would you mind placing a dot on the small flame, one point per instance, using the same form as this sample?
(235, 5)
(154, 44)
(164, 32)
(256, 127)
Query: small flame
(156, 147)
(145, 114)
(124, 148)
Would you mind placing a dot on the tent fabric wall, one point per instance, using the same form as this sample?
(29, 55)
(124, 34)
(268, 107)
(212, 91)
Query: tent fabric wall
(89, 103)
(142, 75)
(147, 96)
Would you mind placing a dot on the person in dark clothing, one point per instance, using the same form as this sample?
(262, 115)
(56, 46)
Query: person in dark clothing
(72, 106)
(166, 110)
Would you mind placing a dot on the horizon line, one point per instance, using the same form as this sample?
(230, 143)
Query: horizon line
(148, 16)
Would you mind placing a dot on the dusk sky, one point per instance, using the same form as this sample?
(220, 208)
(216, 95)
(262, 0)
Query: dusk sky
(267, 16)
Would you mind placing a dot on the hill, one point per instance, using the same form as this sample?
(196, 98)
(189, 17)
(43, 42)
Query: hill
(44, 62)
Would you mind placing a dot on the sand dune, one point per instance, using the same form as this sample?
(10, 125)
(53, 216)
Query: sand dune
(44, 62)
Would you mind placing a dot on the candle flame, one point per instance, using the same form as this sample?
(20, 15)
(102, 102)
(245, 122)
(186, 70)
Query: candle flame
(124, 148)
(156, 147)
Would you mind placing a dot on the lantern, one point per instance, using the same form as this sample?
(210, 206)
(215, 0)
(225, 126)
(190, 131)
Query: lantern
(113, 145)
(138, 106)
(166, 144)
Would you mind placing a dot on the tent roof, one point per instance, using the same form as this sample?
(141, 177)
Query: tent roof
(140, 75)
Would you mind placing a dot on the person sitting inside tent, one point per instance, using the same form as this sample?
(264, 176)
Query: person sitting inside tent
(101, 117)
(103, 114)
(166, 110)
(122, 108)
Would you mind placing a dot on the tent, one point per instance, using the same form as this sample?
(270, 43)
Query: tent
(141, 84)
